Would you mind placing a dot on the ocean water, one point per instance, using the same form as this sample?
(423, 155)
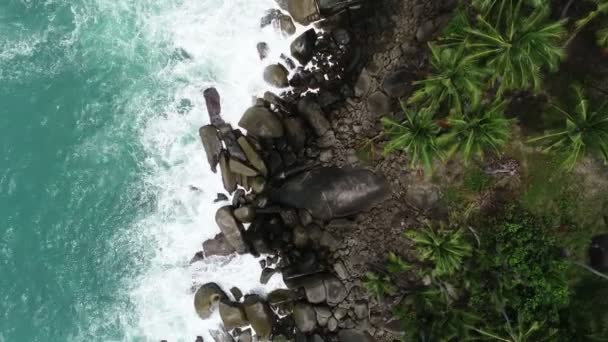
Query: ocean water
(100, 104)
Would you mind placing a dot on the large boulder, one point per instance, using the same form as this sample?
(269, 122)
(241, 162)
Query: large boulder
(207, 299)
(261, 122)
(228, 178)
(276, 75)
(302, 48)
(302, 11)
(231, 228)
(252, 155)
(218, 246)
(260, 316)
(232, 314)
(331, 192)
(212, 144)
(335, 290)
(305, 317)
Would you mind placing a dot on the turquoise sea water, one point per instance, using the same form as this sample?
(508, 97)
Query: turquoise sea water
(99, 108)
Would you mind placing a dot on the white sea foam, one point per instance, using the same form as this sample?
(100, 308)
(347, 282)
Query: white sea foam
(221, 37)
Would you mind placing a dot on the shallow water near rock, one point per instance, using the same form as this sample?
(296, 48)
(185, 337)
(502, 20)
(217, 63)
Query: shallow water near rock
(100, 207)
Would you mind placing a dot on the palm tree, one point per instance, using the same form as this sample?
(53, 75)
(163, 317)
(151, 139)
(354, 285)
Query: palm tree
(586, 132)
(516, 45)
(445, 248)
(601, 8)
(416, 135)
(456, 80)
(475, 133)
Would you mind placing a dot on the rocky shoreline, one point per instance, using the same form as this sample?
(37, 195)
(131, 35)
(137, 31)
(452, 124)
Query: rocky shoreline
(308, 178)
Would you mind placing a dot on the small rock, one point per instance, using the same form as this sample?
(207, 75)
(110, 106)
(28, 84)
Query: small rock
(263, 50)
(315, 289)
(220, 198)
(363, 83)
(336, 291)
(267, 273)
(207, 299)
(212, 144)
(261, 122)
(296, 135)
(245, 336)
(300, 237)
(228, 178)
(260, 316)
(221, 336)
(398, 84)
(311, 111)
(341, 271)
(302, 48)
(258, 185)
(240, 168)
(232, 315)
(218, 246)
(326, 156)
(340, 313)
(214, 107)
(286, 25)
(245, 214)
(305, 317)
(198, 256)
(332, 325)
(276, 75)
(361, 310)
(232, 229)
(252, 155)
(237, 293)
(323, 315)
(378, 104)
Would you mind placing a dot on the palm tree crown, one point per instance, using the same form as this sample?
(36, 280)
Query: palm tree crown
(474, 134)
(515, 44)
(586, 131)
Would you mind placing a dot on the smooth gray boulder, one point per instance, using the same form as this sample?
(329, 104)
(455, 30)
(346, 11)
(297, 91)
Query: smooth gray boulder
(207, 299)
(331, 192)
(218, 246)
(228, 178)
(232, 229)
(232, 315)
(276, 75)
(302, 11)
(260, 316)
(310, 110)
(261, 122)
(214, 107)
(252, 155)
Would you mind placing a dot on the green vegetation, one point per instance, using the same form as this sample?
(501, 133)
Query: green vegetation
(509, 271)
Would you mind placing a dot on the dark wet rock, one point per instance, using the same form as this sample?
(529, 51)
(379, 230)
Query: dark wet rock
(281, 296)
(329, 241)
(323, 314)
(311, 112)
(233, 230)
(245, 214)
(207, 299)
(398, 84)
(598, 252)
(305, 217)
(212, 144)
(237, 293)
(252, 155)
(199, 339)
(302, 11)
(214, 107)
(263, 50)
(221, 336)
(332, 192)
(239, 198)
(278, 102)
(230, 136)
(317, 338)
(276, 75)
(198, 256)
(305, 317)
(232, 315)
(258, 185)
(218, 246)
(245, 336)
(430, 28)
(378, 104)
(261, 122)
(220, 198)
(327, 140)
(260, 316)
(270, 16)
(241, 168)
(228, 178)
(302, 48)
(352, 335)
(363, 83)
(336, 291)
(286, 25)
(314, 289)
(267, 273)
(341, 37)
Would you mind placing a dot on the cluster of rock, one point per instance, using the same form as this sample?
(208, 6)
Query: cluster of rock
(284, 204)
